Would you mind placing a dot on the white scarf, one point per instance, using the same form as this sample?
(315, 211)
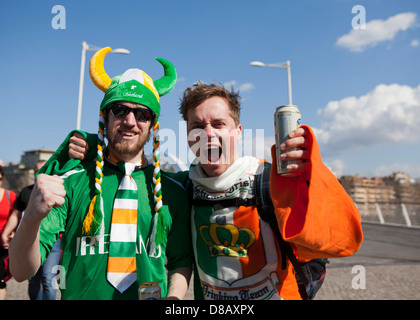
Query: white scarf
(241, 169)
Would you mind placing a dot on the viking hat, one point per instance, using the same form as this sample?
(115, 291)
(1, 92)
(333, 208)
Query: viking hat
(134, 85)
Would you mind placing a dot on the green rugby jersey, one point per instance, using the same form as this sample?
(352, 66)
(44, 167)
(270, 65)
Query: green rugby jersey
(84, 264)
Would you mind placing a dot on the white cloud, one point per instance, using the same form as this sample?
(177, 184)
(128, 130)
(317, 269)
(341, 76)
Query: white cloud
(387, 114)
(242, 88)
(386, 170)
(231, 83)
(376, 31)
(415, 43)
(337, 167)
(246, 87)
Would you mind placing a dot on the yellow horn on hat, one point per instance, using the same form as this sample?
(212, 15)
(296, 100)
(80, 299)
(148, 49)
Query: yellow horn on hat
(97, 71)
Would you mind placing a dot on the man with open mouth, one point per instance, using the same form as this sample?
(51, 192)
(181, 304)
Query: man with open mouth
(237, 255)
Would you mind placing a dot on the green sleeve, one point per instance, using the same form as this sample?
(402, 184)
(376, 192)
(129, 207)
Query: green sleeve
(179, 247)
(51, 227)
(180, 176)
(60, 163)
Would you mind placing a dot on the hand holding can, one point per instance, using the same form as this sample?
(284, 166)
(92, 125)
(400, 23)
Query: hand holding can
(286, 119)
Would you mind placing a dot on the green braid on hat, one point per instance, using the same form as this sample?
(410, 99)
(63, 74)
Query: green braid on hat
(134, 85)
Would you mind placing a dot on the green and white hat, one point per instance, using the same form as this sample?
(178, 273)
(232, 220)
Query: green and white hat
(134, 85)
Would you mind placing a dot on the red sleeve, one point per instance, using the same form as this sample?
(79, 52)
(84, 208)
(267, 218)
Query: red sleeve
(313, 210)
(6, 206)
(13, 198)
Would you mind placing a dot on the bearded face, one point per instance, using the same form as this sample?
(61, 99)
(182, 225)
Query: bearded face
(127, 135)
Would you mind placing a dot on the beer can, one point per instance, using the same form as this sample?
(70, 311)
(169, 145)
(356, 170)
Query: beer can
(286, 118)
(149, 291)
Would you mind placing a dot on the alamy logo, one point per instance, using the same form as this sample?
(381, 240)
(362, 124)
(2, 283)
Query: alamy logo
(359, 20)
(359, 280)
(58, 21)
(59, 281)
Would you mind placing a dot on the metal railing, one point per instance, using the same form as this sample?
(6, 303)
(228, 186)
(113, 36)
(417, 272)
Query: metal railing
(401, 213)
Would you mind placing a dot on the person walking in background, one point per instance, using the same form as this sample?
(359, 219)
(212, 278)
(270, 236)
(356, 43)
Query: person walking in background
(7, 198)
(41, 285)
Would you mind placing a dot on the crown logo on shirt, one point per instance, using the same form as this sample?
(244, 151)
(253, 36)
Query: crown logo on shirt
(227, 240)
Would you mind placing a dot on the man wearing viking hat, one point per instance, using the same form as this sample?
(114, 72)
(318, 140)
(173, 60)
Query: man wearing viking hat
(123, 221)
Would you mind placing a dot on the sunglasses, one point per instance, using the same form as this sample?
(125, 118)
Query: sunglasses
(121, 111)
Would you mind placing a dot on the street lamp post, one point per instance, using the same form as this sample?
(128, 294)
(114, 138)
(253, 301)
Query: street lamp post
(285, 65)
(87, 47)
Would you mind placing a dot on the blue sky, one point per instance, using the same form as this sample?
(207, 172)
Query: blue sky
(359, 89)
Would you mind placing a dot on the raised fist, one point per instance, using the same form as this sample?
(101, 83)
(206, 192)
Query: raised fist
(48, 193)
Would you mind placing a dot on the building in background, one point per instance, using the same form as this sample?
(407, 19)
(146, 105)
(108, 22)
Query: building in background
(19, 175)
(391, 199)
